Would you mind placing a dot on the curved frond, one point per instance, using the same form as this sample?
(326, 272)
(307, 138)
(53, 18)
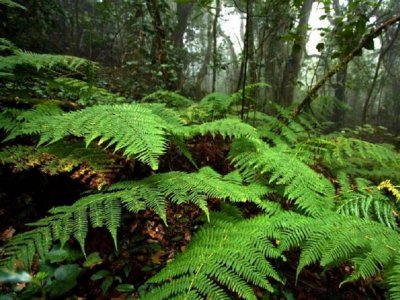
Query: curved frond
(226, 255)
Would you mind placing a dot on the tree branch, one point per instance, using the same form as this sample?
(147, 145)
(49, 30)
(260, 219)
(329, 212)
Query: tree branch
(305, 103)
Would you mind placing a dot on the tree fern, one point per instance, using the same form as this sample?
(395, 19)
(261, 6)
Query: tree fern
(227, 255)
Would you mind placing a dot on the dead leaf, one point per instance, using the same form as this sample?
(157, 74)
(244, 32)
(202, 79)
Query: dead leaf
(7, 234)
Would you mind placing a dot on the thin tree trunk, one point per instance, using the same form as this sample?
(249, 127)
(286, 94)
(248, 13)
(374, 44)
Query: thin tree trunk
(215, 45)
(207, 58)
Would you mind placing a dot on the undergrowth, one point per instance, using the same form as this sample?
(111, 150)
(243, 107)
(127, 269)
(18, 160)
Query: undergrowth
(327, 196)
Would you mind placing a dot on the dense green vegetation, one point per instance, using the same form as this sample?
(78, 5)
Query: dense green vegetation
(234, 195)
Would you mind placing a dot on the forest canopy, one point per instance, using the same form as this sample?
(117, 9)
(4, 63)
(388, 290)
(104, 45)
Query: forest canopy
(213, 149)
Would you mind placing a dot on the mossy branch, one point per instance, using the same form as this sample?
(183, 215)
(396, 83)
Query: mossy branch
(305, 103)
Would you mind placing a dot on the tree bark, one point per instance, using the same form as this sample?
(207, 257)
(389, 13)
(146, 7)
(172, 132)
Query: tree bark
(215, 45)
(184, 10)
(293, 64)
(159, 53)
(207, 58)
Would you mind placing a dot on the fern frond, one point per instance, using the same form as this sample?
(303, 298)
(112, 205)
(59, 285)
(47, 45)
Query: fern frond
(131, 128)
(226, 255)
(364, 200)
(339, 151)
(85, 93)
(311, 191)
(333, 239)
(41, 61)
(281, 128)
(170, 99)
(392, 276)
(104, 209)
(62, 157)
(11, 3)
(391, 188)
(215, 104)
(231, 128)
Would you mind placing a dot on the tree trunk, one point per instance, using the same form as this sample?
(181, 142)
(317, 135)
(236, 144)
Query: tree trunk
(159, 54)
(215, 45)
(293, 64)
(340, 94)
(184, 11)
(207, 58)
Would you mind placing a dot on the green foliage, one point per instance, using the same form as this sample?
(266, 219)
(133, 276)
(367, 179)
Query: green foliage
(85, 93)
(231, 128)
(364, 200)
(131, 128)
(311, 191)
(284, 159)
(10, 3)
(104, 209)
(333, 239)
(19, 58)
(216, 104)
(170, 99)
(229, 254)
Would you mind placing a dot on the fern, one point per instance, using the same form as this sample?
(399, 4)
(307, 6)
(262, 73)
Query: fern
(231, 128)
(63, 157)
(333, 239)
(41, 61)
(170, 99)
(391, 188)
(392, 276)
(230, 254)
(13, 121)
(311, 191)
(85, 93)
(104, 209)
(364, 200)
(132, 128)
(215, 104)
(337, 151)
(13, 4)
